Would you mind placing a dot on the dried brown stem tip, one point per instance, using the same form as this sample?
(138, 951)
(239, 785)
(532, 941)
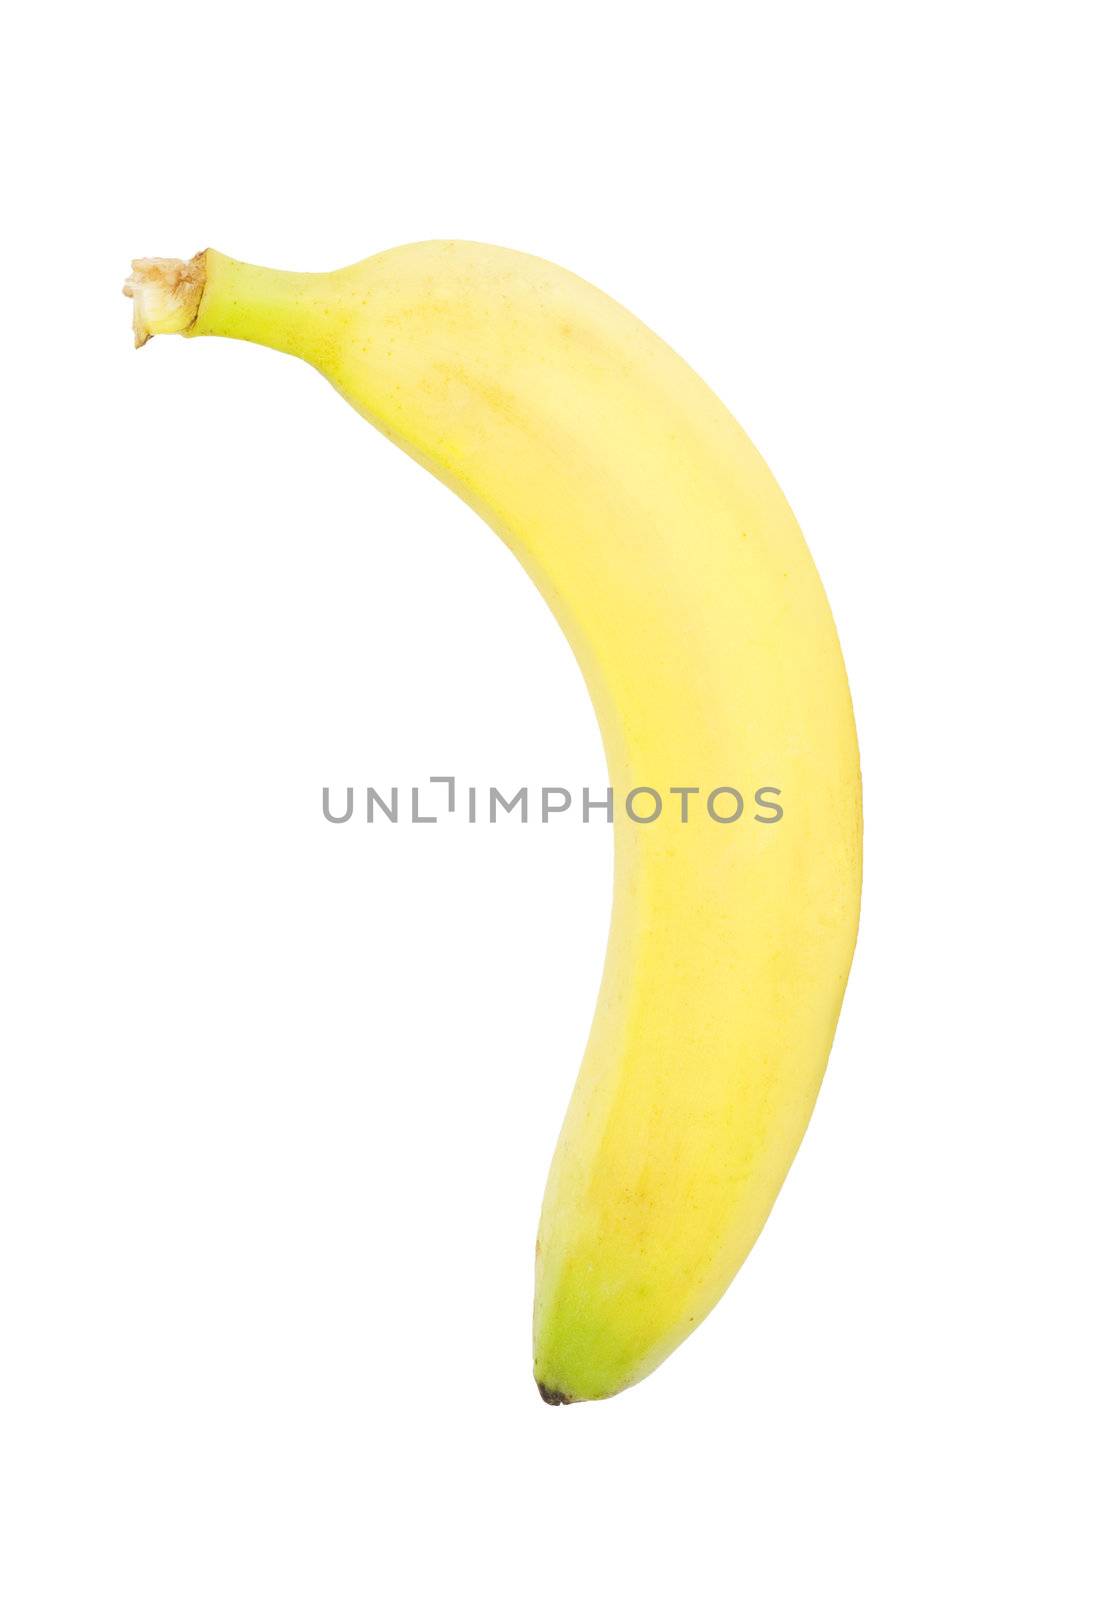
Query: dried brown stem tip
(165, 294)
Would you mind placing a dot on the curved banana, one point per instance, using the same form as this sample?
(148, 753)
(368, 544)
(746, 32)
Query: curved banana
(668, 554)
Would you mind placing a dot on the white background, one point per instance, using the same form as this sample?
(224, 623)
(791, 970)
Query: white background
(278, 1097)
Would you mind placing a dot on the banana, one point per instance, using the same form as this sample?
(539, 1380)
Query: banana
(663, 545)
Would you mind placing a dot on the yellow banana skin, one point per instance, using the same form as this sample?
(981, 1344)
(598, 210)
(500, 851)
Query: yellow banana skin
(673, 563)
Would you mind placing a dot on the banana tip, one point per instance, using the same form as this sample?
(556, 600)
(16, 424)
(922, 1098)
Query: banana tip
(553, 1397)
(165, 294)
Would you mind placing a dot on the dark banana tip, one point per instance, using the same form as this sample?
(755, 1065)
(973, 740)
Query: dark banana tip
(552, 1397)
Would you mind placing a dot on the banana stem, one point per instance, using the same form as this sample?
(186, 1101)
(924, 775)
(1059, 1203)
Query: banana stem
(165, 293)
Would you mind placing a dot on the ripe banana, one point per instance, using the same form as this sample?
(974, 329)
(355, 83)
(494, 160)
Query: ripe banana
(669, 556)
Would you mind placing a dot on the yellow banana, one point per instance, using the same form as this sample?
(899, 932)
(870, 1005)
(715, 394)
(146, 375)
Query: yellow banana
(672, 561)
